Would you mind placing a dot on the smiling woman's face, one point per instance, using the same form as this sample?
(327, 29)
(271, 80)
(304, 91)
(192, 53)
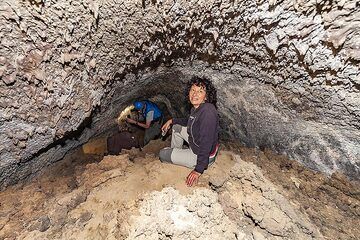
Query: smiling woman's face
(197, 95)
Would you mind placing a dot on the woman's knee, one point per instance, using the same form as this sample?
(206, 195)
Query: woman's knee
(177, 128)
(165, 155)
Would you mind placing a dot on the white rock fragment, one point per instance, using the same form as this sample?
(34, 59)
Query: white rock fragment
(39, 74)
(296, 181)
(92, 63)
(177, 220)
(9, 79)
(302, 47)
(257, 235)
(2, 70)
(272, 42)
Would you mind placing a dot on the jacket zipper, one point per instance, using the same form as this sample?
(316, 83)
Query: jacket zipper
(192, 135)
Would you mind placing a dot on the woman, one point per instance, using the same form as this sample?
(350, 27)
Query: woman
(200, 131)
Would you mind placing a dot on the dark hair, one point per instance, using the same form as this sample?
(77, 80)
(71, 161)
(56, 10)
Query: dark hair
(209, 87)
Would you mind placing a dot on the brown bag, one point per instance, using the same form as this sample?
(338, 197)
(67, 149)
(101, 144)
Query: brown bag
(121, 140)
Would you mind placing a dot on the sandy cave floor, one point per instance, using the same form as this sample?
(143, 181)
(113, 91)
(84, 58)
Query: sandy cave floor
(246, 194)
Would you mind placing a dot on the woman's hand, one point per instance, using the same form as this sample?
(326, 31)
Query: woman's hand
(166, 126)
(192, 178)
(129, 120)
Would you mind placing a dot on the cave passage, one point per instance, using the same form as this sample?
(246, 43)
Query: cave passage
(287, 75)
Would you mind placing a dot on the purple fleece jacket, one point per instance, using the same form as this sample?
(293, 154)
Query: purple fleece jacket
(203, 129)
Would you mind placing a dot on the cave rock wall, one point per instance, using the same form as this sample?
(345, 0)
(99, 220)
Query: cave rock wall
(292, 72)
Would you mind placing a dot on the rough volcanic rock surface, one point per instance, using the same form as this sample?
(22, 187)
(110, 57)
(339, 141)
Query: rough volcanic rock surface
(259, 195)
(169, 214)
(293, 73)
(264, 205)
(135, 196)
(335, 198)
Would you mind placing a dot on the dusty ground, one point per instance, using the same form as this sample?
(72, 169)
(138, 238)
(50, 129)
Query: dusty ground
(332, 203)
(246, 194)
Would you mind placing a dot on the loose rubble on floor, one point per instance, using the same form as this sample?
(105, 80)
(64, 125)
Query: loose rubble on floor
(135, 196)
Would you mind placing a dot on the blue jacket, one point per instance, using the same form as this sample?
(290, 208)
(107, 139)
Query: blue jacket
(150, 106)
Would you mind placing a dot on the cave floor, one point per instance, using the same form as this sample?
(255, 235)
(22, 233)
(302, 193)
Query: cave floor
(259, 195)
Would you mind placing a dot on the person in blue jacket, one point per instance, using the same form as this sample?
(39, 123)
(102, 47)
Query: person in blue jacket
(199, 130)
(153, 119)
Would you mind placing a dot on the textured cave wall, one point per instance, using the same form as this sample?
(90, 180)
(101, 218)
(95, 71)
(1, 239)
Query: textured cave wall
(287, 73)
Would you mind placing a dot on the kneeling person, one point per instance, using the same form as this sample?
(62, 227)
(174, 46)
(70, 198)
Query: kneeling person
(153, 119)
(200, 131)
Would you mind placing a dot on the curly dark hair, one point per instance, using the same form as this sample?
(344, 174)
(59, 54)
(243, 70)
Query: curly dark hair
(211, 96)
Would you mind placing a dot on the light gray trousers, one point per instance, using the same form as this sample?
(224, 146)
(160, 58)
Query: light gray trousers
(176, 154)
